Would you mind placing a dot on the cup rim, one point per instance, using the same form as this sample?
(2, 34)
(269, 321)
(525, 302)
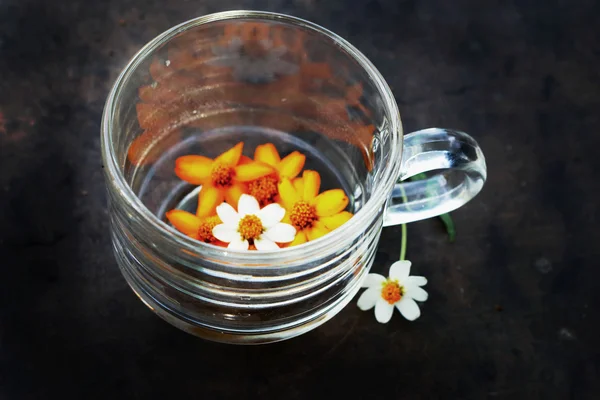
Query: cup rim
(344, 234)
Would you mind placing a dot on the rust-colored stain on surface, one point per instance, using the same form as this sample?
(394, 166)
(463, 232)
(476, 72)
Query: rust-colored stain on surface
(210, 78)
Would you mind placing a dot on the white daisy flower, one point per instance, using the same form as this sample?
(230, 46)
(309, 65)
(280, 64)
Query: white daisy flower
(399, 290)
(251, 224)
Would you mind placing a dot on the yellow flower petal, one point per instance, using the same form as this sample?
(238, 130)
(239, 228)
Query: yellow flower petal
(291, 165)
(252, 171)
(288, 194)
(312, 183)
(184, 221)
(277, 199)
(286, 218)
(299, 239)
(208, 200)
(330, 202)
(317, 230)
(298, 185)
(194, 235)
(232, 156)
(267, 153)
(245, 160)
(193, 169)
(233, 194)
(336, 220)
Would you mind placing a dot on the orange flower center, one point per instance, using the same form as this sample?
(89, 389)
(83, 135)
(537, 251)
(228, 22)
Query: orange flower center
(264, 190)
(205, 230)
(392, 292)
(250, 227)
(222, 176)
(303, 215)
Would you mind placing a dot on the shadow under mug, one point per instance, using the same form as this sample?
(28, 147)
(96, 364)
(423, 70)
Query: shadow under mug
(250, 76)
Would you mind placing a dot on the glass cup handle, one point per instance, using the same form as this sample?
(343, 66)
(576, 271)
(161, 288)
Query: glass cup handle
(463, 175)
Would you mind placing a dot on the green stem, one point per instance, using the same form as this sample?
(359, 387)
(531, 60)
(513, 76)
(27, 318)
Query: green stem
(404, 231)
(403, 244)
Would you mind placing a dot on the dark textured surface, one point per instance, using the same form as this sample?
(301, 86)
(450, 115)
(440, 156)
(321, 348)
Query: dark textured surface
(513, 308)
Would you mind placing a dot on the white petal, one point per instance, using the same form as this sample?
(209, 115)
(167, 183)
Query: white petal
(263, 243)
(225, 233)
(280, 233)
(383, 311)
(415, 281)
(238, 244)
(271, 215)
(416, 293)
(373, 280)
(400, 270)
(367, 300)
(408, 308)
(228, 215)
(248, 205)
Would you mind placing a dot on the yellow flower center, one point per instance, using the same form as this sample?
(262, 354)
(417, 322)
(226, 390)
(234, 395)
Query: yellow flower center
(250, 227)
(264, 190)
(205, 230)
(391, 291)
(222, 176)
(303, 215)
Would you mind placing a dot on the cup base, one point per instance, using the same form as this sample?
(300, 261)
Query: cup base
(244, 338)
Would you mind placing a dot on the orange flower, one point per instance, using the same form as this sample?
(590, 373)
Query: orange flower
(288, 167)
(312, 214)
(223, 178)
(264, 189)
(199, 228)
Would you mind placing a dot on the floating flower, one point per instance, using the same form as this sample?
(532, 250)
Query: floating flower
(265, 188)
(251, 225)
(223, 178)
(399, 290)
(199, 228)
(311, 213)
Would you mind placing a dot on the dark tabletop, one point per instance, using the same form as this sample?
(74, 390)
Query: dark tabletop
(513, 307)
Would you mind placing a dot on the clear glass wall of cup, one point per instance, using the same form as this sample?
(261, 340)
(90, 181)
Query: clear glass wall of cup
(259, 77)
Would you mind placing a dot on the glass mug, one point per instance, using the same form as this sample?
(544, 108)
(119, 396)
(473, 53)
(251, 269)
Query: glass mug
(258, 77)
